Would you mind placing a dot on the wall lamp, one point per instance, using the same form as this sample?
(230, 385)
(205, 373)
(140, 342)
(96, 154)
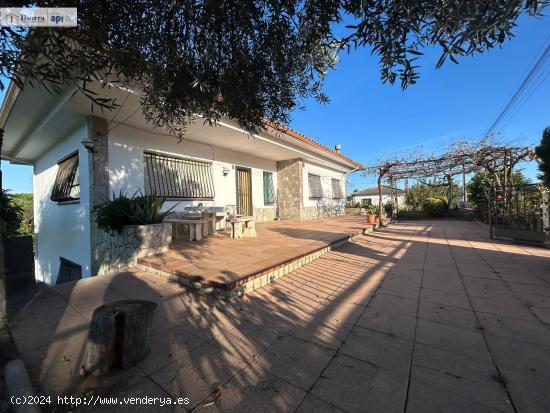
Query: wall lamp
(88, 144)
(225, 171)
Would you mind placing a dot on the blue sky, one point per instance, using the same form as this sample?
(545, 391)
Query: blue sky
(369, 118)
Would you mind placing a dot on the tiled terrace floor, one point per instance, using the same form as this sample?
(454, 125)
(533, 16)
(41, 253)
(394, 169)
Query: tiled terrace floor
(220, 260)
(421, 317)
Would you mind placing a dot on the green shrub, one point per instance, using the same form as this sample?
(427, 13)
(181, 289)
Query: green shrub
(445, 202)
(114, 214)
(388, 208)
(371, 209)
(11, 214)
(435, 207)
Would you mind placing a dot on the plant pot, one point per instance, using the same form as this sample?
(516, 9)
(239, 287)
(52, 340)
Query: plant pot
(377, 219)
(371, 218)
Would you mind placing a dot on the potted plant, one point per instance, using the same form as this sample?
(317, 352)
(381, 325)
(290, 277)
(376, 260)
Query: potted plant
(372, 215)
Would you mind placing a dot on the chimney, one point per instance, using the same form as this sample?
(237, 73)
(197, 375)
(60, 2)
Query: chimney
(337, 148)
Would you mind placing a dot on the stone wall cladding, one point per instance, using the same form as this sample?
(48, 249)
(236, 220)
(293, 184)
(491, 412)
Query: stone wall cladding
(98, 132)
(265, 214)
(118, 252)
(290, 189)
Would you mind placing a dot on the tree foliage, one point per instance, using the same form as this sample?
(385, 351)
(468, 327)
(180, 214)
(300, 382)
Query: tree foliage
(11, 214)
(543, 154)
(249, 60)
(479, 185)
(418, 193)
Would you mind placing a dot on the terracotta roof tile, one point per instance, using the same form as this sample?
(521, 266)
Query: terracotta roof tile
(309, 141)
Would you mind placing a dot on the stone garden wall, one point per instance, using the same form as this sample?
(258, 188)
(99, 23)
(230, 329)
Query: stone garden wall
(117, 252)
(265, 214)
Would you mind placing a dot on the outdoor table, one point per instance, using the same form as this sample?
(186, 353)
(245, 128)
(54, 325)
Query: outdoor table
(195, 225)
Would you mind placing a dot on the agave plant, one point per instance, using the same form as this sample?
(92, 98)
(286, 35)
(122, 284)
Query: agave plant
(140, 209)
(147, 209)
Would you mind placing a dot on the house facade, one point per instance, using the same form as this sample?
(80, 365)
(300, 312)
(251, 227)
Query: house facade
(370, 196)
(80, 158)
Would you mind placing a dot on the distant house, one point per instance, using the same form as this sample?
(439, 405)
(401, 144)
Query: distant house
(80, 158)
(370, 196)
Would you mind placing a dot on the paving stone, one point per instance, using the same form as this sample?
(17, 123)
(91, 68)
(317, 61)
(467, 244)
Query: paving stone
(127, 385)
(481, 371)
(542, 313)
(442, 281)
(197, 374)
(490, 394)
(201, 342)
(534, 300)
(385, 351)
(314, 404)
(252, 391)
(392, 303)
(388, 322)
(529, 390)
(169, 343)
(401, 287)
(295, 360)
(355, 386)
(502, 306)
(424, 398)
(455, 299)
(447, 314)
(520, 355)
(466, 342)
(516, 328)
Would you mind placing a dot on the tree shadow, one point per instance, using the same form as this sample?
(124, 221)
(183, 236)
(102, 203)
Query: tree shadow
(261, 351)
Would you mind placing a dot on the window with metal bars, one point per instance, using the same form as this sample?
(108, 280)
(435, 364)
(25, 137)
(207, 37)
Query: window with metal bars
(315, 188)
(179, 178)
(269, 190)
(336, 189)
(67, 181)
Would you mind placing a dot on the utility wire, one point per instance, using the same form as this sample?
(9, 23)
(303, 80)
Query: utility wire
(523, 85)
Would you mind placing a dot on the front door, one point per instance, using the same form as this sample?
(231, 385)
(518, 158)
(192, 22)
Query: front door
(244, 191)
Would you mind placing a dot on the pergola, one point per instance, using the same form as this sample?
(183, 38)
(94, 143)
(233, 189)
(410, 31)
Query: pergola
(459, 158)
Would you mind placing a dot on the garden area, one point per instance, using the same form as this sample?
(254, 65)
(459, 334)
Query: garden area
(498, 192)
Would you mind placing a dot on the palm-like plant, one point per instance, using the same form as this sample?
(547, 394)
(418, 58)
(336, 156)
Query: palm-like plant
(140, 209)
(11, 213)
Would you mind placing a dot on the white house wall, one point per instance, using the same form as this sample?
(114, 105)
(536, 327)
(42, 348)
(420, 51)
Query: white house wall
(374, 199)
(126, 166)
(61, 229)
(326, 174)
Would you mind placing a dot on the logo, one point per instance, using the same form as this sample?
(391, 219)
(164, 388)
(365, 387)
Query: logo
(39, 16)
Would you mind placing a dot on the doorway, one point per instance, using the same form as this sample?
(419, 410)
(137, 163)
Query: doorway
(244, 191)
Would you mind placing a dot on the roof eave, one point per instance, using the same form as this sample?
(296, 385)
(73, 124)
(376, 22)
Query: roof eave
(9, 101)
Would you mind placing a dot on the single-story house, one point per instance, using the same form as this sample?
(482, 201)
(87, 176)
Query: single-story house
(82, 157)
(370, 196)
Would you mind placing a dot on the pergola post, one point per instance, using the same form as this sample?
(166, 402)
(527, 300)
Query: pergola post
(380, 176)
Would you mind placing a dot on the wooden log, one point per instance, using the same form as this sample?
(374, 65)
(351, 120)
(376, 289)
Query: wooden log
(119, 336)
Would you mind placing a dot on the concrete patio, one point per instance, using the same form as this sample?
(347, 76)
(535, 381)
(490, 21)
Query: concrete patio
(419, 317)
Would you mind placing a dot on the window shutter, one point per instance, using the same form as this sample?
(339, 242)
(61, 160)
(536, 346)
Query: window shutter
(67, 180)
(174, 177)
(315, 188)
(336, 189)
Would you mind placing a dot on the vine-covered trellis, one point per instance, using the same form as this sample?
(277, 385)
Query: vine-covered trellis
(459, 158)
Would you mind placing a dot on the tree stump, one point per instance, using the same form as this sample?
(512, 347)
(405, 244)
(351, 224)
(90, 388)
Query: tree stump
(119, 336)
